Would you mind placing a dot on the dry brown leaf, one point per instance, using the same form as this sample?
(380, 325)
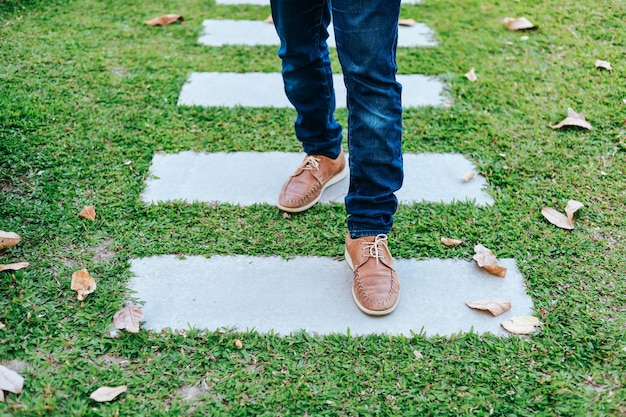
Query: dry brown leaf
(406, 22)
(14, 267)
(521, 324)
(238, 344)
(128, 318)
(573, 119)
(471, 75)
(559, 219)
(164, 20)
(9, 239)
(571, 208)
(450, 242)
(468, 177)
(269, 19)
(495, 306)
(105, 394)
(88, 212)
(10, 380)
(520, 23)
(488, 261)
(604, 64)
(83, 283)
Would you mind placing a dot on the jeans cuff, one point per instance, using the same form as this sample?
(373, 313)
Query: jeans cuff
(362, 233)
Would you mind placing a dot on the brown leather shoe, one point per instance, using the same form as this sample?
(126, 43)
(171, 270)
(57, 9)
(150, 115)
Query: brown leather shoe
(376, 287)
(304, 188)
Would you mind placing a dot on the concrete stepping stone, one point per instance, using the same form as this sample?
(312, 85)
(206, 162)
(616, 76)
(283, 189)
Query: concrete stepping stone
(247, 178)
(257, 89)
(257, 32)
(314, 294)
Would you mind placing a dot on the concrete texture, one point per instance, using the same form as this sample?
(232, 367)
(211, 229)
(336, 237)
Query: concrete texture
(255, 89)
(257, 32)
(314, 294)
(248, 178)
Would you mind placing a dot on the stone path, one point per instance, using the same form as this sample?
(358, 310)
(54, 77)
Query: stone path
(306, 293)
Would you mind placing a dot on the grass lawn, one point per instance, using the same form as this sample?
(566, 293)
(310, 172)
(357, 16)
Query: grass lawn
(87, 95)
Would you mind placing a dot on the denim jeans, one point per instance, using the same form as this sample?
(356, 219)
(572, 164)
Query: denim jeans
(366, 34)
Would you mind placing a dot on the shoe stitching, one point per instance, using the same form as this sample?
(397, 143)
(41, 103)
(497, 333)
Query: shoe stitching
(374, 251)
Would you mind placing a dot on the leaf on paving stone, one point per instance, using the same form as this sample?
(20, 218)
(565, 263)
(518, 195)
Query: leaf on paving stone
(83, 283)
(10, 380)
(559, 219)
(604, 64)
(468, 177)
(521, 324)
(269, 19)
(495, 306)
(9, 239)
(128, 318)
(450, 242)
(471, 75)
(406, 22)
(164, 20)
(14, 267)
(88, 212)
(105, 394)
(488, 261)
(520, 23)
(573, 119)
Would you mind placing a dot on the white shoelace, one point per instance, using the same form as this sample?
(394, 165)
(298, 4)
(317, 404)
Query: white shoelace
(374, 247)
(310, 163)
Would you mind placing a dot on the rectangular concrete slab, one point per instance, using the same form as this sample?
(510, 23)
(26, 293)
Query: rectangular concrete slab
(257, 32)
(315, 294)
(247, 178)
(255, 89)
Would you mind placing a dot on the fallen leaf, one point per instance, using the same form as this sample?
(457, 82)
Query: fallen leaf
(2, 325)
(521, 324)
(164, 20)
(238, 343)
(10, 380)
(495, 306)
(9, 239)
(406, 22)
(573, 119)
(468, 177)
(559, 219)
(603, 64)
(14, 267)
(83, 283)
(88, 212)
(105, 394)
(471, 75)
(571, 208)
(450, 242)
(520, 23)
(269, 19)
(488, 261)
(128, 318)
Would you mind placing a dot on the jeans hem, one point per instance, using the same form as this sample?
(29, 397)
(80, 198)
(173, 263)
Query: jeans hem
(362, 233)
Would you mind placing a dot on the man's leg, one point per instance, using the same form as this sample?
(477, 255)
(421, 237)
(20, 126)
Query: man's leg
(366, 32)
(302, 28)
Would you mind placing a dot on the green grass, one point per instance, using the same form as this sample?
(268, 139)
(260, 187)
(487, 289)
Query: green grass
(88, 94)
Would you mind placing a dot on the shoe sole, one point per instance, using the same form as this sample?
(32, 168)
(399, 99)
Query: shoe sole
(332, 181)
(356, 300)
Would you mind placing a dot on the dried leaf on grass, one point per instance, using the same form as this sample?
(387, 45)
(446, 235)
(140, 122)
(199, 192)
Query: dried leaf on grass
(471, 75)
(573, 119)
(238, 344)
(604, 64)
(495, 306)
(488, 261)
(450, 242)
(9, 239)
(559, 219)
(2, 325)
(105, 394)
(10, 380)
(164, 20)
(88, 212)
(128, 318)
(520, 23)
(406, 22)
(521, 324)
(14, 267)
(83, 283)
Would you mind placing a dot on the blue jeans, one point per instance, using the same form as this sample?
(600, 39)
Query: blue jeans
(366, 33)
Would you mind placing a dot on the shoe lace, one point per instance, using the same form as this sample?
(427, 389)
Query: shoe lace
(311, 163)
(374, 247)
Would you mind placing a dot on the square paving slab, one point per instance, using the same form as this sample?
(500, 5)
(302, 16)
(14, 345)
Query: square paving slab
(247, 178)
(257, 32)
(314, 294)
(255, 89)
